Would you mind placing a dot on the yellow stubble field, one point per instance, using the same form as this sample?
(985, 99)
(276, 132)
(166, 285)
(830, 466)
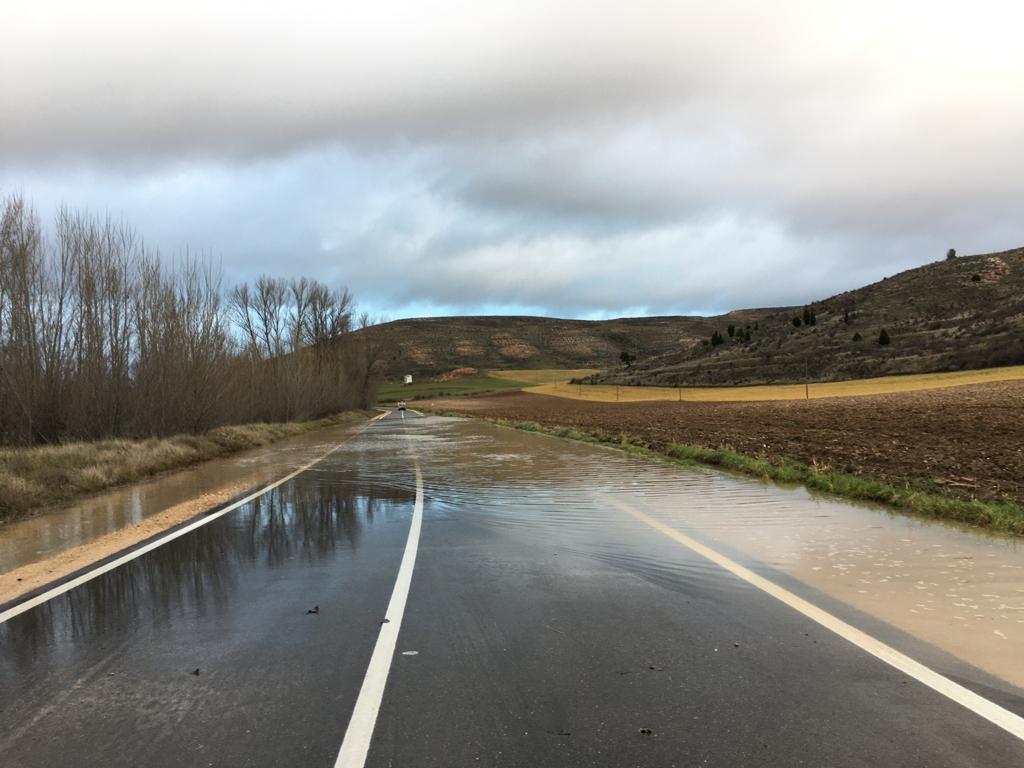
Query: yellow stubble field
(556, 382)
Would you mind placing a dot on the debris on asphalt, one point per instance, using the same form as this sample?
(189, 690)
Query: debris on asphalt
(195, 671)
(646, 731)
(314, 609)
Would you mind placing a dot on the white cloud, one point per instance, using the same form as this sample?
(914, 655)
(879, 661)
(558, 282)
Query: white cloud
(577, 157)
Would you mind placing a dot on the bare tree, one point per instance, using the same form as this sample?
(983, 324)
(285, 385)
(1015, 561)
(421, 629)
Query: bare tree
(100, 337)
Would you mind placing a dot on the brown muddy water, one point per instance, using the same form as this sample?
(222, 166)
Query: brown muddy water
(62, 528)
(958, 590)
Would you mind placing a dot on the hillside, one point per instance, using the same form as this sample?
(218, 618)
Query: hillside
(430, 346)
(948, 315)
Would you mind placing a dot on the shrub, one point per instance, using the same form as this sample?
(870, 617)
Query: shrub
(796, 322)
(883, 337)
(716, 339)
(975, 278)
(856, 337)
(951, 254)
(731, 330)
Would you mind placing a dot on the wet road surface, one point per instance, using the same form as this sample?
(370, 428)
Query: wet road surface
(544, 626)
(87, 519)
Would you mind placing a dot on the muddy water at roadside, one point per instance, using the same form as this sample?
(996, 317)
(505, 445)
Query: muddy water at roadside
(63, 528)
(960, 590)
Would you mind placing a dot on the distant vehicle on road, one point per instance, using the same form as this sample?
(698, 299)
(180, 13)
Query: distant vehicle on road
(401, 405)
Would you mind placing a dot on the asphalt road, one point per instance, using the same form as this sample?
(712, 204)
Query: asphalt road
(548, 622)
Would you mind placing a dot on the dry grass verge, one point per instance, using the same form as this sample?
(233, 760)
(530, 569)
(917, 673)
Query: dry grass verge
(42, 476)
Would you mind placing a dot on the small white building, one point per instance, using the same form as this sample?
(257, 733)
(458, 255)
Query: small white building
(408, 378)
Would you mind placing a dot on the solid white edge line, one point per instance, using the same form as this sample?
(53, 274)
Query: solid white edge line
(356, 745)
(1003, 718)
(416, 412)
(60, 589)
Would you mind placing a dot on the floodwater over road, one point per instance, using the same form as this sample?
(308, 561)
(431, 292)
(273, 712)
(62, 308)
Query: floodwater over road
(85, 520)
(544, 625)
(954, 587)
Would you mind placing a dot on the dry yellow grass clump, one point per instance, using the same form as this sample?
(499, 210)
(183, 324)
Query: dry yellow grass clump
(553, 382)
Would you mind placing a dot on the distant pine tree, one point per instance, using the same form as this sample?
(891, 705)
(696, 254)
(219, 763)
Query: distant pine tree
(883, 337)
(796, 322)
(951, 254)
(731, 330)
(856, 336)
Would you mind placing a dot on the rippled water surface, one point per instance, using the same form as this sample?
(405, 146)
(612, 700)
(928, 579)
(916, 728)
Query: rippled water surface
(961, 591)
(33, 538)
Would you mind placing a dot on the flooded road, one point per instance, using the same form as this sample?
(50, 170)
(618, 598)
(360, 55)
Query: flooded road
(88, 519)
(544, 626)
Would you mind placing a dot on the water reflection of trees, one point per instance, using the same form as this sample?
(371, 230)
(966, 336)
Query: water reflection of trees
(310, 520)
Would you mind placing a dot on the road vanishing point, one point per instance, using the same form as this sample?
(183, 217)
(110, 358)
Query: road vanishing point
(441, 592)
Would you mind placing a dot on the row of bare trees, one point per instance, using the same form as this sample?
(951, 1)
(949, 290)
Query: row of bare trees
(99, 337)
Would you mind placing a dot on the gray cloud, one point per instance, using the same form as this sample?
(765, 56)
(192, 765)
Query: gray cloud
(588, 158)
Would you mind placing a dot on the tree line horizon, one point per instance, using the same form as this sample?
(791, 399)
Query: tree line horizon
(101, 337)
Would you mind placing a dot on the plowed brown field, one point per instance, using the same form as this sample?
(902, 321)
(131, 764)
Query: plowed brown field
(968, 440)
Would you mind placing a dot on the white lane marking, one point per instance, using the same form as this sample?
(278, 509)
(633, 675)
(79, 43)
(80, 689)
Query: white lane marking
(991, 711)
(356, 744)
(416, 412)
(60, 589)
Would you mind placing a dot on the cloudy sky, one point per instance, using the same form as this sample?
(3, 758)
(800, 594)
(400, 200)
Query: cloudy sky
(582, 159)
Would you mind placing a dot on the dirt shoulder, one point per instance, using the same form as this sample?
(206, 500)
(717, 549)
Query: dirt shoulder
(37, 574)
(35, 477)
(963, 442)
(32, 575)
